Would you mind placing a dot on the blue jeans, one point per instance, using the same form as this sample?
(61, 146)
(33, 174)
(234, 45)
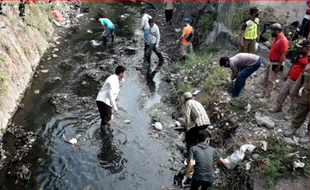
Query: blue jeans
(146, 36)
(242, 76)
(108, 31)
(152, 47)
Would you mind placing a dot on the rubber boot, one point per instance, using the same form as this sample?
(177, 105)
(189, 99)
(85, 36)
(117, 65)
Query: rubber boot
(104, 39)
(112, 39)
(146, 47)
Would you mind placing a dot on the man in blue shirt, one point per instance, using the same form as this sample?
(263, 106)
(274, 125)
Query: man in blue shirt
(108, 28)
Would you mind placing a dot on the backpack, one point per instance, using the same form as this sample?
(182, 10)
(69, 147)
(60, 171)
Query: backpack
(189, 36)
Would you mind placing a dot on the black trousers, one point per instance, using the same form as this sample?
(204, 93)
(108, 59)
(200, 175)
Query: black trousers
(105, 112)
(305, 28)
(195, 184)
(191, 136)
(168, 15)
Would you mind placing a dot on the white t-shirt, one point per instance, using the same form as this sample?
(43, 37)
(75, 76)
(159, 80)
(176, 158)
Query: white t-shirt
(110, 90)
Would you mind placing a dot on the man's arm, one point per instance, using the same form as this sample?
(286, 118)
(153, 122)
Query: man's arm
(112, 101)
(242, 34)
(103, 26)
(223, 161)
(157, 37)
(288, 73)
(281, 60)
(298, 84)
(189, 167)
(234, 72)
(187, 115)
(143, 22)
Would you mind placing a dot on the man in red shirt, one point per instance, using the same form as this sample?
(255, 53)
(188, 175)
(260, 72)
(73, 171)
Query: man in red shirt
(298, 65)
(276, 61)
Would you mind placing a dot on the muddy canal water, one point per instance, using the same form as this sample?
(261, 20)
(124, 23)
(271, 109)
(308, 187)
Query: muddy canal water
(60, 105)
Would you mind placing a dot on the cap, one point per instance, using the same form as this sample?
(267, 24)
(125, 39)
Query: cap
(303, 43)
(276, 26)
(253, 10)
(186, 95)
(187, 20)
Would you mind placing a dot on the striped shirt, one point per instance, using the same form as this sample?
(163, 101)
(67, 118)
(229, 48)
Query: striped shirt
(195, 110)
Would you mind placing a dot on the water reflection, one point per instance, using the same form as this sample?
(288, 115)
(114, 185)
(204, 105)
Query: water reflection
(108, 156)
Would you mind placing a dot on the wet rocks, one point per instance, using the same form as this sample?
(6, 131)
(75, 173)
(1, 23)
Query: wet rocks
(59, 101)
(22, 172)
(264, 121)
(25, 143)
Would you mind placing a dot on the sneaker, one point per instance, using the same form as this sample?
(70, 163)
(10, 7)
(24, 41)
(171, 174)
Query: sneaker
(290, 131)
(264, 100)
(288, 117)
(275, 109)
(260, 95)
(304, 139)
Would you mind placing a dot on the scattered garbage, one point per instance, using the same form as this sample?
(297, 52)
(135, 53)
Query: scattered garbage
(126, 121)
(238, 155)
(248, 108)
(37, 91)
(248, 166)
(177, 30)
(298, 164)
(158, 126)
(73, 141)
(89, 31)
(264, 121)
(263, 145)
(57, 15)
(177, 124)
(95, 43)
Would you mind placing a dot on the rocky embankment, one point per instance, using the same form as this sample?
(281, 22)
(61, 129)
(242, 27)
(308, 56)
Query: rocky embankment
(24, 37)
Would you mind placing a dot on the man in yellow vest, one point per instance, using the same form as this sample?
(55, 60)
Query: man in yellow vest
(249, 32)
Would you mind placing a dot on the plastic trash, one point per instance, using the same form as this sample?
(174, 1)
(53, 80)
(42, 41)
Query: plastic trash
(298, 164)
(57, 15)
(256, 46)
(177, 124)
(236, 158)
(263, 145)
(248, 165)
(158, 126)
(248, 147)
(126, 121)
(73, 141)
(248, 108)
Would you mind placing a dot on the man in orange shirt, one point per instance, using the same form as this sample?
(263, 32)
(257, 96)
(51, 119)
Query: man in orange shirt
(276, 61)
(186, 45)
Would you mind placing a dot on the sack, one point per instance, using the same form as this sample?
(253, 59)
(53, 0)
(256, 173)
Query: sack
(189, 36)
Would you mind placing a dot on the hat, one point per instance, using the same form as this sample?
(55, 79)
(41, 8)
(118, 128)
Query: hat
(187, 20)
(276, 26)
(186, 95)
(303, 43)
(253, 10)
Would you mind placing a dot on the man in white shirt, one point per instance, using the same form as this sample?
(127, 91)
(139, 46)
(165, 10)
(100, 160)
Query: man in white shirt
(146, 29)
(154, 37)
(108, 94)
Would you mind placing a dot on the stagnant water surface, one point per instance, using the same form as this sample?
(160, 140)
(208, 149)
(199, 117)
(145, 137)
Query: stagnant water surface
(124, 158)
